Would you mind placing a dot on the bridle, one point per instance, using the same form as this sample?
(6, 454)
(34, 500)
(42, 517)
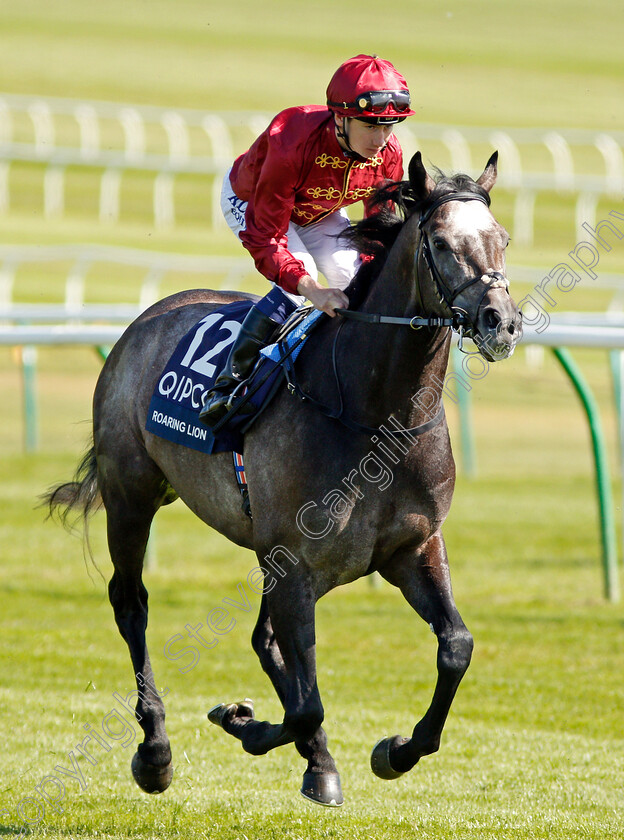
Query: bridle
(460, 320)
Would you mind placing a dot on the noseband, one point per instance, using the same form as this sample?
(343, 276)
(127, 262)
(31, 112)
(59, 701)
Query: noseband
(448, 296)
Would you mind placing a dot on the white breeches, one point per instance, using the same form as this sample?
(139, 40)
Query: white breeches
(316, 245)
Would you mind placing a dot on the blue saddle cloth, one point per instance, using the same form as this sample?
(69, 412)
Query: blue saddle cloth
(191, 371)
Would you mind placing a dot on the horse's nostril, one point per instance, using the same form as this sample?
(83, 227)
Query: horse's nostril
(492, 319)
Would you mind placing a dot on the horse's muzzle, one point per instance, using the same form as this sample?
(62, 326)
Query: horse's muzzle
(499, 326)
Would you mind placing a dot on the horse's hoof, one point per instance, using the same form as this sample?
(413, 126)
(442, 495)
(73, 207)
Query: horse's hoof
(380, 757)
(323, 788)
(150, 778)
(218, 713)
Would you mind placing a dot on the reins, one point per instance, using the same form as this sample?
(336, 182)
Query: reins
(447, 296)
(296, 389)
(415, 323)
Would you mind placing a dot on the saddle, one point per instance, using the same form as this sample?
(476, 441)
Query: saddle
(196, 362)
(275, 362)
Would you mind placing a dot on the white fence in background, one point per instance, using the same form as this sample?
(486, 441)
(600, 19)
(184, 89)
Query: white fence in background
(152, 266)
(194, 142)
(570, 332)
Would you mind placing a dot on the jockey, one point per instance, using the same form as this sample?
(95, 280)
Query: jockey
(285, 199)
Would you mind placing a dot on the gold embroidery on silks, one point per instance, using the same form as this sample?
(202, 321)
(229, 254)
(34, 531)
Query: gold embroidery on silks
(320, 192)
(304, 215)
(329, 160)
(332, 193)
(376, 161)
(336, 163)
(358, 193)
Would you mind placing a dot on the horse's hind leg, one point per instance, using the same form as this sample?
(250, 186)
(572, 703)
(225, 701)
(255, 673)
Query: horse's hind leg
(321, 782)
(131, 498)
(423, 577)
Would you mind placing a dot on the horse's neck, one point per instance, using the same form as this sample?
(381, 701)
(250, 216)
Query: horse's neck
(385, 368)
(393, 292)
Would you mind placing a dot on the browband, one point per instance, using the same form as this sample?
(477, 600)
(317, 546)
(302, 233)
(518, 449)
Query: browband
(453, 196)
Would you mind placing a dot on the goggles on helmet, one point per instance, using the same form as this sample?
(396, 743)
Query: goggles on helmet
(377, 101)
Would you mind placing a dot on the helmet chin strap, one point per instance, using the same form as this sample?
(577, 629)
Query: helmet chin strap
(343, 134)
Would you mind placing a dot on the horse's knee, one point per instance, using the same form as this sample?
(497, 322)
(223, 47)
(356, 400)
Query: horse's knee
(303, 725)
(455, 651)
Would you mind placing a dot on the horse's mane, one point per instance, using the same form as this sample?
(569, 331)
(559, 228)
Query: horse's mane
(392, 205)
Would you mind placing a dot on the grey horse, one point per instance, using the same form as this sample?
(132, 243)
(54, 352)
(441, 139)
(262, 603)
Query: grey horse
(369, 385)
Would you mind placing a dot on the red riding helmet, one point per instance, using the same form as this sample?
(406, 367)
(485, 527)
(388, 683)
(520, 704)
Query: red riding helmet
(369, 87)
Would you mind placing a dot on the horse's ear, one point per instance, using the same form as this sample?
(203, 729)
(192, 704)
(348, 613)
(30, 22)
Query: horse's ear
(488, 177)
(420, 181)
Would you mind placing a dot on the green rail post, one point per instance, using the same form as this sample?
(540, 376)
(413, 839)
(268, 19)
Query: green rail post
(603, 482)
(617, 369)
(29, 387)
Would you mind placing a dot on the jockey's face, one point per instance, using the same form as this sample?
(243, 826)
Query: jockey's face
(365, 139)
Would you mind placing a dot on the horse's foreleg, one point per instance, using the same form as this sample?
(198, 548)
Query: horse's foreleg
(127, 538)
(294, 679)
(424, 580)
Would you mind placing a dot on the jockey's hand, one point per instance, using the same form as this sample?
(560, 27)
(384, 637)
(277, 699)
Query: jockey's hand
(327, 300)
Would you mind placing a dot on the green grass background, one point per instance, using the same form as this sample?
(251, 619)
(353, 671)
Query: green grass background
(534, 744)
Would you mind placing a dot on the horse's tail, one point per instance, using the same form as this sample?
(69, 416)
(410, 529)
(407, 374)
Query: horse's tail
(82, 495)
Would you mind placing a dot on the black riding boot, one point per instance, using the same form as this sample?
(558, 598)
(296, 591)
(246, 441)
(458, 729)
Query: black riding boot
(255, 332)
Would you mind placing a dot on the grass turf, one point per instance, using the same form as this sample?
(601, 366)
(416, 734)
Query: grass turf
(533, 747)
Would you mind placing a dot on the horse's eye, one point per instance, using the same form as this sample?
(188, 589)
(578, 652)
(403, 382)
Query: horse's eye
(439, 244)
